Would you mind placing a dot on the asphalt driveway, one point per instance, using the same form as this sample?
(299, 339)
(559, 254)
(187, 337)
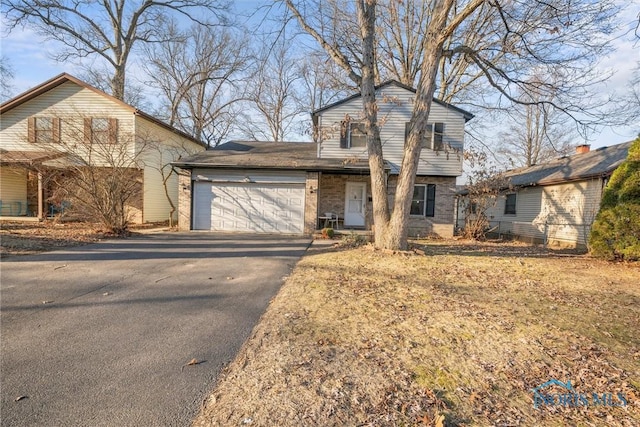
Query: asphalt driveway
(102, 334)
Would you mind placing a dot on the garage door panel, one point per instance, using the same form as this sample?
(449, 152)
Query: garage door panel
(250, 207)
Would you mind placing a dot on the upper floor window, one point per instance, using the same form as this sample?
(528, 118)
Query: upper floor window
(353, 134)
(43, 130)
(510, 204)
(433, 137)
(101, 130)
(423, 202)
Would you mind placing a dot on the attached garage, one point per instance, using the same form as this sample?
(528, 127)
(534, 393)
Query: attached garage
(260, 202)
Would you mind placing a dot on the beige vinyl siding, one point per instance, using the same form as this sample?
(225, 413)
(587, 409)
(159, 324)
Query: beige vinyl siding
(561, 213)
(395, 108)
(13, 191)
(159, 147)
(71, 103)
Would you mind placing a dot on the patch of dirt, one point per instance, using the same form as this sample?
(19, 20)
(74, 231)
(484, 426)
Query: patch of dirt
(20, 238)
(458, 336)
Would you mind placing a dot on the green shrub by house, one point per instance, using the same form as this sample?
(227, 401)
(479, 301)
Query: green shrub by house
(616, 231)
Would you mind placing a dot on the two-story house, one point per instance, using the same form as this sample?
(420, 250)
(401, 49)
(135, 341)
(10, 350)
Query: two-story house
(299, 187)
(65, 122)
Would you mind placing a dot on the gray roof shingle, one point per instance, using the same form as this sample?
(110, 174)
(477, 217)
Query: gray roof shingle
(600, 162)
(269, 155)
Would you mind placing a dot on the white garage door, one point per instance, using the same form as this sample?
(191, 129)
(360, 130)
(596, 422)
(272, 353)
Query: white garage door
(249, 207)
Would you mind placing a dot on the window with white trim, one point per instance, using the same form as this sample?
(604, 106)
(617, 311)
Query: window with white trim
(423, 202)
(433, 138)
(353, 135)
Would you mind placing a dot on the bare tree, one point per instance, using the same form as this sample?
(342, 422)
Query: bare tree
(321, 84)
(484, 186)
(107, 29)
(537, 132)
(200, 74)
(273, 94)
(6, 76)
(391, 227)
(527, 33)
(97, 174)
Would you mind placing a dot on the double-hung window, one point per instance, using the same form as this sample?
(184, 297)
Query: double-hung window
(423, 202)
(433, 138)
(353, 135)
(101, 130)
(43, 130)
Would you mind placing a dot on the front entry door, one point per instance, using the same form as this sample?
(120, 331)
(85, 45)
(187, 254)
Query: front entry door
(354, 204)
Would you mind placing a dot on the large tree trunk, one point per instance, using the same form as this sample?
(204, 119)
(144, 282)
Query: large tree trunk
(396, 236)
(367, 17)
(117, 82)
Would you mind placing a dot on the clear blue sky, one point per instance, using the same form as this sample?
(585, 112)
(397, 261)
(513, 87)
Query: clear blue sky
(28, 55)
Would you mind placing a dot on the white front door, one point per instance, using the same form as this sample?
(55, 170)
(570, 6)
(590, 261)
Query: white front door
(354, 204)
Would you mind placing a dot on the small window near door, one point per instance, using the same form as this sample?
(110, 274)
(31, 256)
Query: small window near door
(510, 204)
(424, 200)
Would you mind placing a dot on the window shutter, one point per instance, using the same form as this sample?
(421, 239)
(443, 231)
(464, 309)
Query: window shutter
(87, 130)
(343, 134)
(431, 200)
(407, 126)
(438, 136)
(31, 129)
(56, 130)
(113, 131)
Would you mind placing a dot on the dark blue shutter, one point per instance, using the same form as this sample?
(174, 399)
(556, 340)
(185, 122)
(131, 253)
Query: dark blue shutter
(431, 200)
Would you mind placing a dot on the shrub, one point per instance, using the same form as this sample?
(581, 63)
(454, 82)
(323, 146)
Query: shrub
(616, 231)
(327, 233)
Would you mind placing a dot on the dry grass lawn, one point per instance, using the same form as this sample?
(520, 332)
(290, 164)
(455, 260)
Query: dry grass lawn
(461, 336)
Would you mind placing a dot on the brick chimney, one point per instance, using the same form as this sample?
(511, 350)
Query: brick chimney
(584, 148)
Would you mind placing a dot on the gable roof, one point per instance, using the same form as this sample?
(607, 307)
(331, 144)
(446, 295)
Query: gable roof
(270, 155)
(597, 163)
(64, 78)
(467, 115)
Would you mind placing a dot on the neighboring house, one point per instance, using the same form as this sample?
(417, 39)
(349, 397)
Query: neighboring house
(555, 203)
(64, 120)
(293, 187)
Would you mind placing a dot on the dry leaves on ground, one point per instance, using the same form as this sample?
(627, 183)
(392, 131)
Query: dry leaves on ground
(460, 336)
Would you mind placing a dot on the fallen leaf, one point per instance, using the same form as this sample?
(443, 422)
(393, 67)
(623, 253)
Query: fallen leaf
(440, 421)
(19, 398)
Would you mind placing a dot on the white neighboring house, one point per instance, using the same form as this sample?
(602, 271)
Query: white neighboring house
(64, 117)
(554, 203)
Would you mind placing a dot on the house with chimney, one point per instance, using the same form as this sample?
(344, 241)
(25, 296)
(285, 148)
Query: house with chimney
(553, 203)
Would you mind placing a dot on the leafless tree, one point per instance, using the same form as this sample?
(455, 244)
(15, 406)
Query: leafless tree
(537, 132)
(107, 29)
(6, 76)
(200, 74)
(484, 185)
(321, 84)
(97, 174)
(527, 32)
(273, 93)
